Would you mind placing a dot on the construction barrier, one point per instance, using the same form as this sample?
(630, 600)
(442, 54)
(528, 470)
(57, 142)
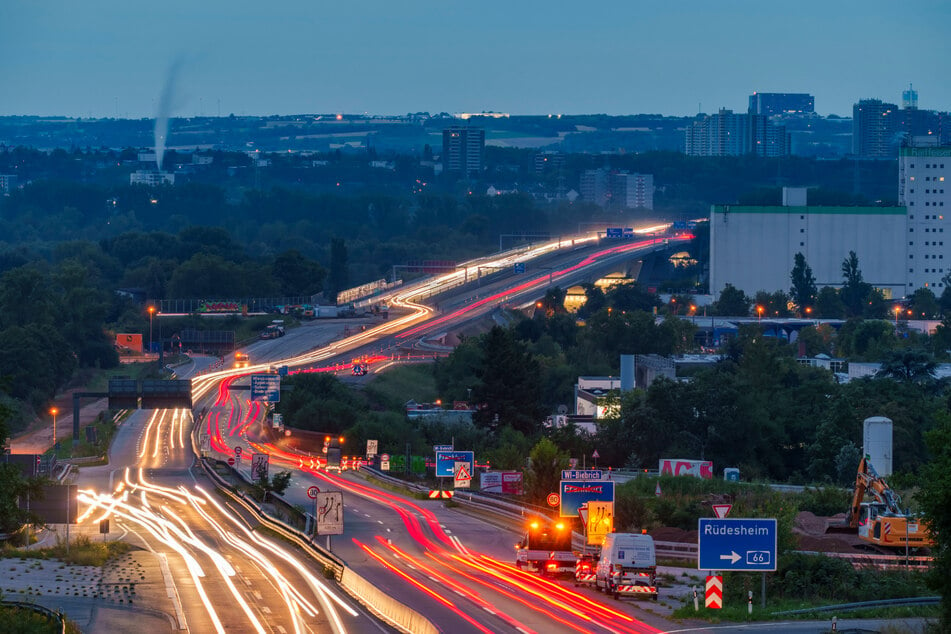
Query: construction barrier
(440, 495)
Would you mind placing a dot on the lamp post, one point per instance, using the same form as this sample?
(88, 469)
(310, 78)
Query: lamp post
(54, 412)
(759, 313)
(151, 312)
(897, 311)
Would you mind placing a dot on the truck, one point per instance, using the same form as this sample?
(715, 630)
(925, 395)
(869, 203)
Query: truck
(273, 330)
(627, 566)
(546, 548)
(882, 523)
(241, 360)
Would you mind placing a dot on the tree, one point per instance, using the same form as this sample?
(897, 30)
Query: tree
(774, 304)
(924, 305)
(732, 302)
(855, 291)
(339, 275)
(829, 304)
(803, 291)
(935, 500)
(509, 384)
(277, 483)
(908, 365)
(544, 472)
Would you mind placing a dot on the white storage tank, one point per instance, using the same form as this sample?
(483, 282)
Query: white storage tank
(877, 443)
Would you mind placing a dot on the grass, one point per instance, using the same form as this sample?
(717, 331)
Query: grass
(731, 613)
(82, 552)
(24, 621)
(399, 384)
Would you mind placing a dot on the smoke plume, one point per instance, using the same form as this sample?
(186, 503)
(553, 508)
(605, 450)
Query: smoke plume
(165, 106)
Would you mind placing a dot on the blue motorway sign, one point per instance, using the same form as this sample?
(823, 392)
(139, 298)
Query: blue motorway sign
(613, 232)
(737, 544)
(446, 460)
(574, 493)
(582, 474)
(442, 447)
(266, 387)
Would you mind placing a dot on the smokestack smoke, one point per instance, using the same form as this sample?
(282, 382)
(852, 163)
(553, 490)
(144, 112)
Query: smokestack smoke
(165, 106)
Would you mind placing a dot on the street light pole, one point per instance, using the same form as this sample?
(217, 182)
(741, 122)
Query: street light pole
(151, 312)
(54, 412)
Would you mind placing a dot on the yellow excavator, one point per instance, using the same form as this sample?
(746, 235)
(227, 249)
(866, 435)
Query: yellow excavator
(883, 522)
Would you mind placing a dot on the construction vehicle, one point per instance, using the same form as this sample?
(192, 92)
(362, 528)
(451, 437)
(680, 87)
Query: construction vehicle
(883, 522)
(241, 360)
(273, 330)
(546, 549)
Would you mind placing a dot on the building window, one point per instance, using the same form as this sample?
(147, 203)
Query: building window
(802, 217)
(911, 270)
(802, 231)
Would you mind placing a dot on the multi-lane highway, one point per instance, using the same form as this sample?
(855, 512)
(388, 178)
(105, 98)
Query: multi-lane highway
(453, 568)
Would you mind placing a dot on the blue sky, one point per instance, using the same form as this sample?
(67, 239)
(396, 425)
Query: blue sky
(103, 57)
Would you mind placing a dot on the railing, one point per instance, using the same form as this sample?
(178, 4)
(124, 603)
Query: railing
(39, 609)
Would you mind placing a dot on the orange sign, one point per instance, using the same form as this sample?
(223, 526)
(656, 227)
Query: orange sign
(132, 342)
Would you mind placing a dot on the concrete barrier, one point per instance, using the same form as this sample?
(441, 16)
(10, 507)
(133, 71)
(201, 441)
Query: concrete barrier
(384, 606)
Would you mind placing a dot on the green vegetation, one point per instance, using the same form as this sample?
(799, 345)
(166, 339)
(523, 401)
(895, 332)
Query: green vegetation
(26, 621)
(82, 552)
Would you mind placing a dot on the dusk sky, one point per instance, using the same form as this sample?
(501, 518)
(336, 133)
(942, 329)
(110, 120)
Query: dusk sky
(101, 58)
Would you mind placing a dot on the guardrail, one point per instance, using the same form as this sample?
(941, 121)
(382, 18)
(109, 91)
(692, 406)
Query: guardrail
(863, 604)
(39, 609)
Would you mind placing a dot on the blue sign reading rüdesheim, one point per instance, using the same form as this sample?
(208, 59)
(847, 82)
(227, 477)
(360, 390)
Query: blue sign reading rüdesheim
(737, 544)
(446, 460)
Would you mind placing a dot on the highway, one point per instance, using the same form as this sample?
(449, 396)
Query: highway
(453, 568)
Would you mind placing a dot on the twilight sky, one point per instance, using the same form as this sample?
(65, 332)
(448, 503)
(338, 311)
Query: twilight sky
(103, 58)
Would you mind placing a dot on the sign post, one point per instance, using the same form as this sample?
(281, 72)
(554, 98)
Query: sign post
(329, 514)
(312, 493)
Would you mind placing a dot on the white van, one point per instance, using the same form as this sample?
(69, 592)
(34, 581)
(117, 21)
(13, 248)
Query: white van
(627, 566)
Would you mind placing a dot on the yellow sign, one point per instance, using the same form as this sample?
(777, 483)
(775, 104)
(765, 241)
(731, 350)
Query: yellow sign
(600, 521)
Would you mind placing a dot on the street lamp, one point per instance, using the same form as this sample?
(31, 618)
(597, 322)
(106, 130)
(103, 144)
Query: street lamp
(151, 312)
(759, 313)
(54, 412)
(897, 311)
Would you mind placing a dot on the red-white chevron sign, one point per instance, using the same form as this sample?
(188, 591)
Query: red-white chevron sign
(714, 597)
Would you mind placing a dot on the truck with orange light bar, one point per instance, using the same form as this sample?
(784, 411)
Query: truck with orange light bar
(546, 549)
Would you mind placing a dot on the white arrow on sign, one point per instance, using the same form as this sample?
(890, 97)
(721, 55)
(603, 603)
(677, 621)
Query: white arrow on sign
(733, 557)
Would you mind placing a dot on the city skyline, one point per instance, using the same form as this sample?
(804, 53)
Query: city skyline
(108, 59)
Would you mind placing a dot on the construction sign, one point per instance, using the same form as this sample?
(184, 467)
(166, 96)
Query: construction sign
(600, 521)
(714, 596)
(462, 475)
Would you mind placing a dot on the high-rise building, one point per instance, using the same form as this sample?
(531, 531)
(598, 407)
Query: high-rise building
(909, 99)
(151, 178)
(780, 103)
(876, 132)
(463, 150)
(618, 189)
(924, 188)
(8, 182)
(730, 134)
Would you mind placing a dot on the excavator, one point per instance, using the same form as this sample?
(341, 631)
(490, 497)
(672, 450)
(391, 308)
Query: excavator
(883, 522)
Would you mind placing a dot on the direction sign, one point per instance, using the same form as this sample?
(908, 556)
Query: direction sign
(462, 478)
(600, 522)
(446, 462)
(582, 474)
(266, 387)
(574, 493)
(372, 447)
(737, 544)
(259, 465)
(442, 447)
(330, 513)
(312, 492)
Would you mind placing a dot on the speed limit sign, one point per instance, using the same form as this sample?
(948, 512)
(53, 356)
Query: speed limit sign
(312, 492)
(553, 499)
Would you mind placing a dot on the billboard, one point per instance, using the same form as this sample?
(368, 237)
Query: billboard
(574, 493)
(501, 482)
(684, 467)
(129, 341)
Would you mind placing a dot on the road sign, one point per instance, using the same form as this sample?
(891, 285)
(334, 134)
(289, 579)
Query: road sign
(574, 493)
(266, 387)
(259, 465)
(204, 443)
(462, 478)
(277, 420)
(600, 522)
(519, 267)
(582, 474)
(371, 448)
(722, 510)
(313, 492)
(553, 499)
(446, 462)
(237, 452)
(384, 462)
(595, 454)
(714, 595)
(330, 513)
(737, 544)
(230, 461)
(442, 448)
(613, 232)
(440, 495)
